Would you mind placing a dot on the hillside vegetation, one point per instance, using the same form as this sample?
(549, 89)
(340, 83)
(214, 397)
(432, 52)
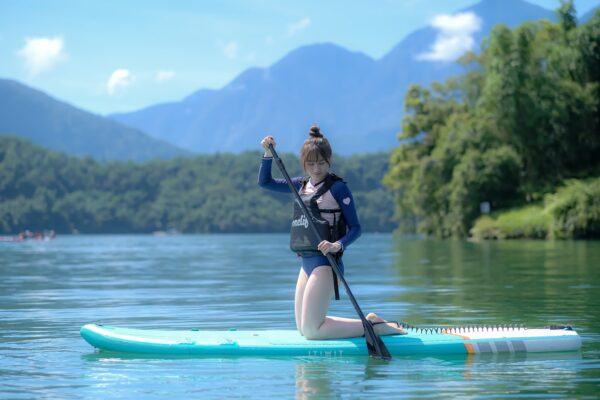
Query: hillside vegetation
(42, 189)
(521, 121)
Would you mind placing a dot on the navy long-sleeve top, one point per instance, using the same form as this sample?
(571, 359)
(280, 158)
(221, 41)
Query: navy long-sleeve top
(339, 190)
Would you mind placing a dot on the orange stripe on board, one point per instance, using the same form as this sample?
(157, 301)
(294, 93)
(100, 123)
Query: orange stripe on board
(460, 336)
(470, 348)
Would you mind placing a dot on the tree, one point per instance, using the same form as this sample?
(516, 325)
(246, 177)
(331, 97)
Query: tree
(524, 117)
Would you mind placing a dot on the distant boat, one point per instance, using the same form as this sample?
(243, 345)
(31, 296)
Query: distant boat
(28, 235)
(169, 232)
(11, 239)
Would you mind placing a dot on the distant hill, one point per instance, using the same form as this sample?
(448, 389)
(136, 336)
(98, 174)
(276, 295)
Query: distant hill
(357, 101)
(32, 114)
(311, 84)
(42, 189)
(588, 15)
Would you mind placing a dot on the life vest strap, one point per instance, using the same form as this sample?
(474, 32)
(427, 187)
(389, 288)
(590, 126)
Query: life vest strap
(330, 210)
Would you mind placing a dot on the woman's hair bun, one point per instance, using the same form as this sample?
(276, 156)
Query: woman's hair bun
(315, 132)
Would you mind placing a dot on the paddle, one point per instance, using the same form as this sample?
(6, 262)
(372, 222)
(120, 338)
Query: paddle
(375, 345)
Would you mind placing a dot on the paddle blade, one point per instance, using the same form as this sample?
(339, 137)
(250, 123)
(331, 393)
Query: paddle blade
(375, 345)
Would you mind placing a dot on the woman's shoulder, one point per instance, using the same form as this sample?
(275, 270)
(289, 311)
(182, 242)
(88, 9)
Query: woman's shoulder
(339, 188)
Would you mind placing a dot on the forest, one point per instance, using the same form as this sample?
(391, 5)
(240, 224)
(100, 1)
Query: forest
(518, 134)
(42, 189)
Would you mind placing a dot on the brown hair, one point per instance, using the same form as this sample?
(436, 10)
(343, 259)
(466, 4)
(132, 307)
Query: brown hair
(316, 145)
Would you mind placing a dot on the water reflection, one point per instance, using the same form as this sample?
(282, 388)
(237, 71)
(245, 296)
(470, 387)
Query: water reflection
(341, 377)
(313, 380)
(534, 283)
(48, 291)
(321, 378)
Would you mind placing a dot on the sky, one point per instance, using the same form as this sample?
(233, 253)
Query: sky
(109, 56)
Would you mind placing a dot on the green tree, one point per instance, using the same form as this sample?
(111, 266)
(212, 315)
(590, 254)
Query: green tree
(523, 117)
(40, 190)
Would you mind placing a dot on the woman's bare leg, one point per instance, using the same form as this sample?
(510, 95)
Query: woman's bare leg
(315, 324)
(313, 296)
(300, 286)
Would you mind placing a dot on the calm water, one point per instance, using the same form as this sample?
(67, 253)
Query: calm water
(49, 289)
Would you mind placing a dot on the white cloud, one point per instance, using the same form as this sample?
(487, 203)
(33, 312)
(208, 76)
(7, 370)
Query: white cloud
(231, 50)
(41, 54)
(121, 78)
(164, 75)
(299, 26)
(467, 22)
(455, 36)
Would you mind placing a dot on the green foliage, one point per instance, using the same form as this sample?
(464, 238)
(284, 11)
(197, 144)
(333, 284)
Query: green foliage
(40, 189)
(523, 117)
(490, 176)
(575, 209)
(531, 222)
(568, 16)
(571, 212)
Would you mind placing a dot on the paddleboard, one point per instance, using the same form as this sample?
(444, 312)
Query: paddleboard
(429, 341)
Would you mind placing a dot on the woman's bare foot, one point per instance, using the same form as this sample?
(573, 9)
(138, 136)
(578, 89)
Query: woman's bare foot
(383, 327)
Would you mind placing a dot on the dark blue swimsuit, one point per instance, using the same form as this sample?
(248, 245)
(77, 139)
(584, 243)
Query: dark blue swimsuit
(340, 193)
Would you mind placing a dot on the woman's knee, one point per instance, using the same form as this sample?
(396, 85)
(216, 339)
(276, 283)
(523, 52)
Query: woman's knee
(311, 330)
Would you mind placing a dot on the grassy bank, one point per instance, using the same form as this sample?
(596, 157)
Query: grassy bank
(572, 212)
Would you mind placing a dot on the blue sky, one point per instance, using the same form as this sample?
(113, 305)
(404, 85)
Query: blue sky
(113, 56)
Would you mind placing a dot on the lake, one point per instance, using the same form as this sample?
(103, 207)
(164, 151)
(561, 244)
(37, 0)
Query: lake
(48, 290)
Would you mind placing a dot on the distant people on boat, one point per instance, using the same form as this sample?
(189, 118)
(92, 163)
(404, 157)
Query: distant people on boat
(44, 235)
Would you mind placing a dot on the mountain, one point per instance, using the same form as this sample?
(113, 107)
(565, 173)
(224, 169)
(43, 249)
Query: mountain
(306, 86)
(588, 15)
(402, 66)
(32, 114)
(357, 101)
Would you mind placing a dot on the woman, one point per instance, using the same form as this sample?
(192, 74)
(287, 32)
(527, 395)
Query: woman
(331, 203)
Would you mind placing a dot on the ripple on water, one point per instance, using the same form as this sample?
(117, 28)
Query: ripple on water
(49, 290)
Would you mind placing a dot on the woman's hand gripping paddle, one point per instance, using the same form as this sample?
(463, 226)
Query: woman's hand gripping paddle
(375, 345)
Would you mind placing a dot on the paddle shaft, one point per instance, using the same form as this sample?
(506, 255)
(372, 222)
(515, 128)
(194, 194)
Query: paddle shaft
(374, 343)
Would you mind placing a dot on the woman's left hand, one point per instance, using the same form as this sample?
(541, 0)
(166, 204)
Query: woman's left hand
(328, 247)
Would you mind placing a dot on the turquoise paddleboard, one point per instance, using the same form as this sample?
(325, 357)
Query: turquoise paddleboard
(432, 341)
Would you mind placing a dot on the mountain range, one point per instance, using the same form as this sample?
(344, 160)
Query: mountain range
(54, 124)
(356, 100)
